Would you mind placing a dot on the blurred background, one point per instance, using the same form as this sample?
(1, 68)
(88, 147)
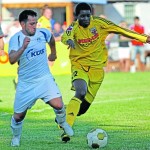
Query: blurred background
(61, 17)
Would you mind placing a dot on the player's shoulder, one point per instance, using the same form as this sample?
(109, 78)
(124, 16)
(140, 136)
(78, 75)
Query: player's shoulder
(19, 34)
(72, 26)
(41, 19)
(100, 20)
(43, 30)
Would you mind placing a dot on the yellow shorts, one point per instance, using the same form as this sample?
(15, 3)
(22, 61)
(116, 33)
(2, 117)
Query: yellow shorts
(93, 77)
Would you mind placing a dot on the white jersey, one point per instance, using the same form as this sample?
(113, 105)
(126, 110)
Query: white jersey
(33, 63)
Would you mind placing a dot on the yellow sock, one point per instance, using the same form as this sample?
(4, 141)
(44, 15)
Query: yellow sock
(72, 110)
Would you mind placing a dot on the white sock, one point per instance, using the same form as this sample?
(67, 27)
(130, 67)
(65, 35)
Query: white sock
(16, 127)
(60, 116)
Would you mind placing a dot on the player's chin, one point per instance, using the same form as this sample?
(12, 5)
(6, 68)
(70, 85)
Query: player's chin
(86, 24)
(32, 33)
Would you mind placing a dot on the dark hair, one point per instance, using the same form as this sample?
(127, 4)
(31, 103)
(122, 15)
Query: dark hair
(137, 18)
(82, 6)
(25, 13)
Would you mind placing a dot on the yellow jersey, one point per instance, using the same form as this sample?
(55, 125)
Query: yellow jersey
(44, 23)
(90, 48)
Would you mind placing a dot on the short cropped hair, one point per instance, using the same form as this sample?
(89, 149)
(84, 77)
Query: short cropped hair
(82, 6)
(25, 13)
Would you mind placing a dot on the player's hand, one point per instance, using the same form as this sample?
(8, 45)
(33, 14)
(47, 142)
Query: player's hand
(25, 42)
(148, 40)
(52, 57)
(71, 44)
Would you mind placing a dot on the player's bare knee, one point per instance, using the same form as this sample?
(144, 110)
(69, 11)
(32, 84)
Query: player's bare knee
(19, 117)
(57, 106)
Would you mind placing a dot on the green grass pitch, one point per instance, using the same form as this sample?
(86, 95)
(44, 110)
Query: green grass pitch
(121, 108)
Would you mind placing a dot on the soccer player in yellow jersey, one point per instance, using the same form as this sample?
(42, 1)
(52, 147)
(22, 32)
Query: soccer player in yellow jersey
(85, 38)
(44, 20)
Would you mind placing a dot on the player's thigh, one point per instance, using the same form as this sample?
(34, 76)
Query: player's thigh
(96, 78)
(49, 90)
(79, 74)
(24, 98)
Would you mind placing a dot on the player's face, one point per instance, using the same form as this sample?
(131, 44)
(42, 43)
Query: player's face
(84, 18)
(48, 13)
(136, 21)
(30, 26)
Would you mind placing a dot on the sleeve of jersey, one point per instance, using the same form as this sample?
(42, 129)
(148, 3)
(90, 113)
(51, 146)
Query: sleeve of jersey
(68, 34)
(13, 44)
(113, 28)
(47, 34)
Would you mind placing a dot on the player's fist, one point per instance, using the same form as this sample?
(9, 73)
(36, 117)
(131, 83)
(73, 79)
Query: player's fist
(52, 57)
(26, 41)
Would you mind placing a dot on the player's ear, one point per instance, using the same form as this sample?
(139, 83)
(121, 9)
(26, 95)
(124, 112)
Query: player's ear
(22, 23)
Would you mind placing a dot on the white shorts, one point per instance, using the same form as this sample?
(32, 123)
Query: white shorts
(124, 52)
(27, 93)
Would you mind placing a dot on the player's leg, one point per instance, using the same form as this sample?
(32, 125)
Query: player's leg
(96, 77)
(60, 113)
(79, 85)
(74, 105)
(16, 127)
(83, 107)
(24, 99)
(52, 96)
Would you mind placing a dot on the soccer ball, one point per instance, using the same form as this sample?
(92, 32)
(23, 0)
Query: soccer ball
(97, 138)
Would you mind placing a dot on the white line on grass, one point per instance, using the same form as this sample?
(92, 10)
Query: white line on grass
(104, 101)
(120, 99)
(95, 102)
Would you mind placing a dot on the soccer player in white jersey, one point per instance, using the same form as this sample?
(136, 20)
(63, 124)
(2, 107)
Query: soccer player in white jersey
(35, 81)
